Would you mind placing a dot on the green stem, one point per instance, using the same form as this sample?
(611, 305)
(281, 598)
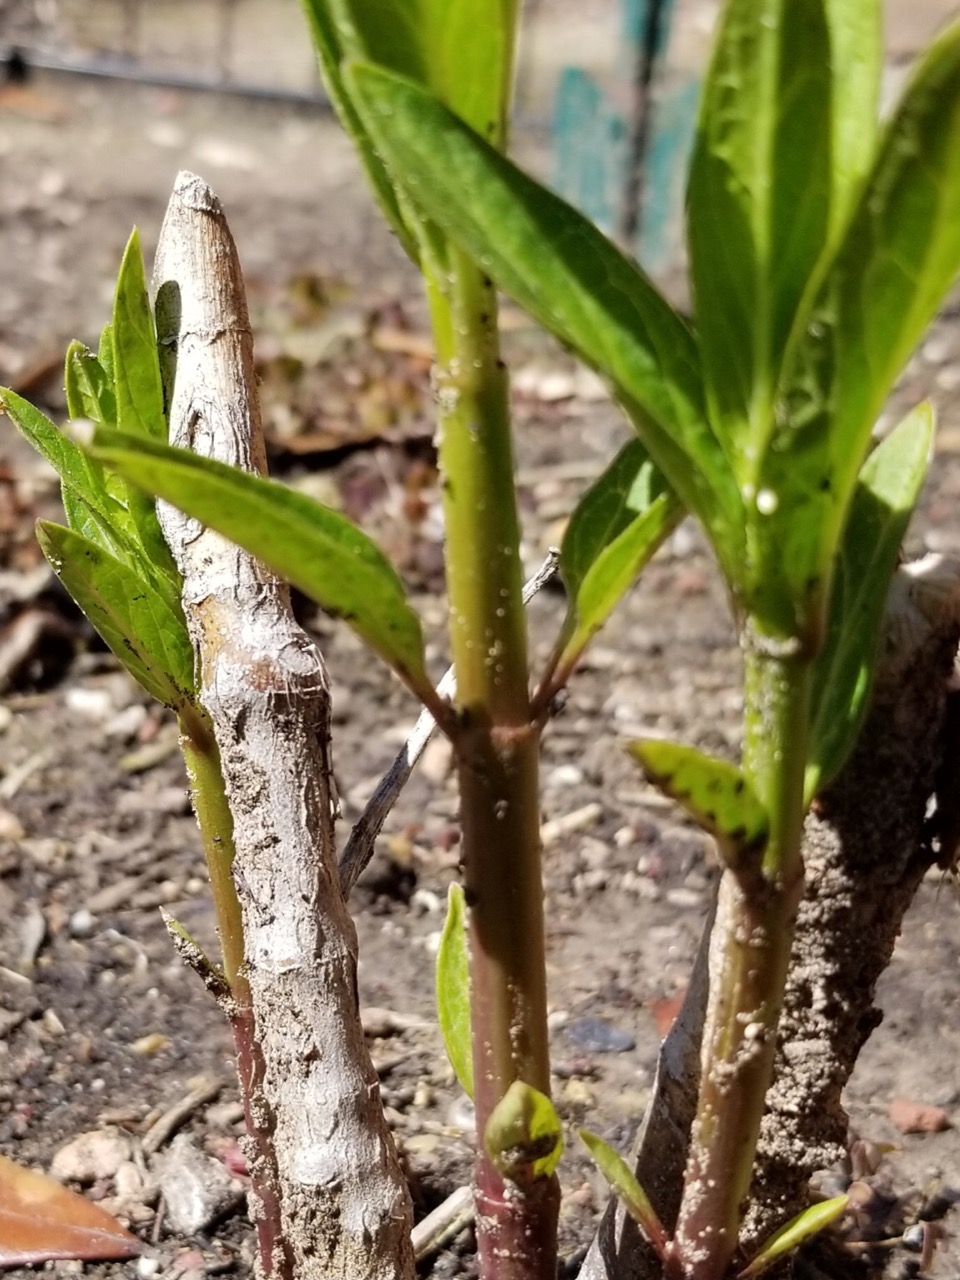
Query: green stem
(202, 758)
(215, 820)
(497, 750)
(757, 915)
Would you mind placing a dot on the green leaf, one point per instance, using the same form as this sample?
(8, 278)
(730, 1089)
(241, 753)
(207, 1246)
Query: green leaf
(139, 393)
(759, 204)
(886, 494)
(523, 1136)
(330, 54)
(856, 64)
(89, 390)
(461, 50)
(895, 264)
(313, 547)
(105, 352)
(570, 277)
(133, 618)
(714, 792)
(804, 1226)
(453, 989)
(112, 536)
(616, 527)
(622, 1181)
(77, 471)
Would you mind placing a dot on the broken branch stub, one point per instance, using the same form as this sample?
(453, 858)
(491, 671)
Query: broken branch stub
(314, 1095)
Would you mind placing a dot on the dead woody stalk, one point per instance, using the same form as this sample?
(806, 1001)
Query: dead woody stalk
(330, 1198)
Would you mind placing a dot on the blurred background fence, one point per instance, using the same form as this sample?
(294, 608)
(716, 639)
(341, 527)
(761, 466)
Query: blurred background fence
(612, 83)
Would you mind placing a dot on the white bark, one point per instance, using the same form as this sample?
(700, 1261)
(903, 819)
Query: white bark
(345, 1208)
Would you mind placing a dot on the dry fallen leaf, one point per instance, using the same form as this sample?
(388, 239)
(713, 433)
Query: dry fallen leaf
(42, 1220)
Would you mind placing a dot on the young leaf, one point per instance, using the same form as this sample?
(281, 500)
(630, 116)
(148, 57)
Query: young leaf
(41, 1220)
(804, 1226)
(886, 493)
(139, 393)
(114, 536)
(896, 262)
(134, 619)
(569, 276)
(712, 791)
(330, 54)
(89, 389)
(453, 989)
(315, 548)
(620, 1177)
(759, 205)
(105, 352)
(616, 527)
(524, 1137)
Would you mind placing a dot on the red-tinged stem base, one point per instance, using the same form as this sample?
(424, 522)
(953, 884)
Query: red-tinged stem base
(516, 1231)
(276, 1258)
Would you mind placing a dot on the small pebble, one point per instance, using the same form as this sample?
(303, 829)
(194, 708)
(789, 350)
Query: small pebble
(196, 1188)
(421, 1144)
(462, 1115)
(596, 1035)
(92, 1156)
(577, 1094)
(82, 923)
(94, 703)
(563, 776)
(684, 898)
(11, 827)
(422, 1096)
(126, 724)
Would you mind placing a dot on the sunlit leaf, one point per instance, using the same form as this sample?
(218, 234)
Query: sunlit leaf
(42, 1221)
(622, 1181)
(712, 791)
(570, 277)
(524, 1137)
(462, 50)
(75, 469)
(453, 989)
(804, 1226)
(896, 262)
(759, 205)
(88, 388)
(139, 393)
(315, 548)
(330, 55)
(145, 631)
(615, 528)
(856, 64)
(886, 494)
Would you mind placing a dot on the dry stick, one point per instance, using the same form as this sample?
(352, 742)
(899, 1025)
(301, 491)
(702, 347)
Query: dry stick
(867, 846)
(619, 1250)
(359, 847)
(313, 1094)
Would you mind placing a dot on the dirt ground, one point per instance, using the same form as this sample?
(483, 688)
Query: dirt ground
(100, 1025)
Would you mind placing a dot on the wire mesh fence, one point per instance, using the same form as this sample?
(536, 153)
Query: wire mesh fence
(246, 46)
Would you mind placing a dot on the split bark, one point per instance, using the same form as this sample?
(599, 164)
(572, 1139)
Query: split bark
(868, 844)
(344, 1207)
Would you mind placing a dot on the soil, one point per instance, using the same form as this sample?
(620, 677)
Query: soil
(100, 1025)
